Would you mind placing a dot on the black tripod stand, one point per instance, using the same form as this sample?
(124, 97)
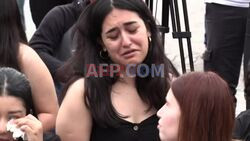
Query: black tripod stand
(176, 25)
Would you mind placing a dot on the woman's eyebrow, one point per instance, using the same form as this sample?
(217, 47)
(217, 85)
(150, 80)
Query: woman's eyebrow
(125, 24)
(15, 112)
(111, 30)
(129, 23)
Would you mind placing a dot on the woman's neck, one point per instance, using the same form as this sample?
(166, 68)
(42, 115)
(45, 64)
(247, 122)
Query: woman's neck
(127, 79)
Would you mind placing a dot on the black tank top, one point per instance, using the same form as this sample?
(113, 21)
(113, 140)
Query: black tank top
(127, 131)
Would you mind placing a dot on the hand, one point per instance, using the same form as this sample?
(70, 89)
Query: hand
(31, 126)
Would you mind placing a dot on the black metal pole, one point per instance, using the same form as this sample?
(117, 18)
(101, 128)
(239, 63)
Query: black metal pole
(165, 19)
(188, 38)
(177, 29)
(172, 5)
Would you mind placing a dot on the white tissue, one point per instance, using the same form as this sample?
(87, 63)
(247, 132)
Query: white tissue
(17, 133)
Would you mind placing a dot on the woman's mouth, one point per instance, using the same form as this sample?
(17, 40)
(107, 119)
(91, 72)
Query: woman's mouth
(158, 126)
(129, 53)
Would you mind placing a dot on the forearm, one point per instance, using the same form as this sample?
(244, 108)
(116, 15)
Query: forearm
(48, 120)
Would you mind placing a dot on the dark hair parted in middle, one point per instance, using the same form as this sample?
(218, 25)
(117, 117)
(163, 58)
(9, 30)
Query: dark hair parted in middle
(152, 90)
(14, 83)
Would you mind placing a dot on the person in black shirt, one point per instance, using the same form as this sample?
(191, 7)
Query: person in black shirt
(39, 8)
(52, 40)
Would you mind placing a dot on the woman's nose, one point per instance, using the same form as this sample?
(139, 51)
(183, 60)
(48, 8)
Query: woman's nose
(126, 42)
(3, 128)
(159, 112)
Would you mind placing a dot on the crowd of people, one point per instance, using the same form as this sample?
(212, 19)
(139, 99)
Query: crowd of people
(96, 70)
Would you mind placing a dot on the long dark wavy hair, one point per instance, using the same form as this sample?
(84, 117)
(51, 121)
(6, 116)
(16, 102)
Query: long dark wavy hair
(152, 90)
(11, 33)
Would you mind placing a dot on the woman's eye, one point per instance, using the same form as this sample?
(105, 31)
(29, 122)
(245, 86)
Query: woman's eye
(12, 117)
(132, 29)
(113, 37)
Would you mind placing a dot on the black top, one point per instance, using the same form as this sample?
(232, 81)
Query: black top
(127, 131)
(242, 126)
(39, 8)
(47, 40)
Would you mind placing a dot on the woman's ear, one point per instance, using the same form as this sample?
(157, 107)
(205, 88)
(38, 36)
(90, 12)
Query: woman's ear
(99, 41)
(149, 34)
(148, 28)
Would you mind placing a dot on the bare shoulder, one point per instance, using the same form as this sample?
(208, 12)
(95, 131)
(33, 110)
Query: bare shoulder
(25, 50)
(76, 89)
(34, 68)
(74, 94)
(78, 84)
(32, 65)
(27, 54)
(73, 103)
